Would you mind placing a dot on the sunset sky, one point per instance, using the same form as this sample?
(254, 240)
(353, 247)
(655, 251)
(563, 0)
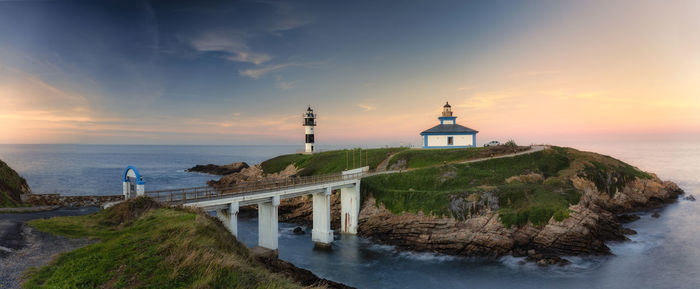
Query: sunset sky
(376, 72)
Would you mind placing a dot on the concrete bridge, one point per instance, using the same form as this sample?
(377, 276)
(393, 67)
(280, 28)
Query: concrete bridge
(267, 195)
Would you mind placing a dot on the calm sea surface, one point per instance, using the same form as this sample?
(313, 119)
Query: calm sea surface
(664, 254)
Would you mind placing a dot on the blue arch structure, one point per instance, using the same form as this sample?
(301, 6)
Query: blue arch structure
(139, 181)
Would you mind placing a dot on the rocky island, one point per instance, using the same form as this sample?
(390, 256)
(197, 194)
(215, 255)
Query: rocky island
(544, 204)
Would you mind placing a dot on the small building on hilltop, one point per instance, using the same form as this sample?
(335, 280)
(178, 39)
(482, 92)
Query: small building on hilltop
(448, 134)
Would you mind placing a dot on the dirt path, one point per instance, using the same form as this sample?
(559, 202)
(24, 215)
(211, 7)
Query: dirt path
(383, 164)
(533, 149)
(22, 246)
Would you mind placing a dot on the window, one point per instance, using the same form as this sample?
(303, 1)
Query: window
(449, 141)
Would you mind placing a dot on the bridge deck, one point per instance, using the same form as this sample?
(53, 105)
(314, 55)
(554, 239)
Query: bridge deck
(201, 194)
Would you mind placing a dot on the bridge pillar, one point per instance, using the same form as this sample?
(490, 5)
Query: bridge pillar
(229, 217)
(321, 233)
(127, 190)
(349, 208)
(140, 190)
(267, 223)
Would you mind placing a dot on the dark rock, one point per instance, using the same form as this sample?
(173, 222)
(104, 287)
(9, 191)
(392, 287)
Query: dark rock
(628, 231)
(627, 218)
(550, 260)
(656, 215)
(298, 231)
(219, 170)
(689, 198)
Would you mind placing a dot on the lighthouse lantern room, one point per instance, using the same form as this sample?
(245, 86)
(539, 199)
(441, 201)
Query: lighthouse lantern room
(309, 123)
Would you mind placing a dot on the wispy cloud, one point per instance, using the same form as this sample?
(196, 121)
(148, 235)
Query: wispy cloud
(231, 45)
(259, 72)
(365, 107)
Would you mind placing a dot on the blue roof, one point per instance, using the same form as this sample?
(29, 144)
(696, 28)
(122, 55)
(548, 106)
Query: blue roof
(448, 129)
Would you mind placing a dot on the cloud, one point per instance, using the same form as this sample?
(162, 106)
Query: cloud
(365, 107)
(231, 45)
(256, 73)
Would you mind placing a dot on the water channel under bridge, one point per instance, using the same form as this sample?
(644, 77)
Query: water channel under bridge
(226, 201)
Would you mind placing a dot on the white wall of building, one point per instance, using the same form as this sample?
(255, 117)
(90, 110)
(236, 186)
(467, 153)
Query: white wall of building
(309, 129)
(448, 121)
(457, 140)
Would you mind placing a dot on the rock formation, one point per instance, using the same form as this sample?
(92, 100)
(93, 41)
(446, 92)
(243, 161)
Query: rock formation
(591, 223)
(219, 170)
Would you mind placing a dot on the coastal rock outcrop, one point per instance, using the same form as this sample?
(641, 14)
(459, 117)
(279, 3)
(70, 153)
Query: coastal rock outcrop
(591, 223)
(219, 170)
(252, 174)
(12, 186)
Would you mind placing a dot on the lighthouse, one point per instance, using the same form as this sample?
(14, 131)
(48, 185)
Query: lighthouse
(309, 123)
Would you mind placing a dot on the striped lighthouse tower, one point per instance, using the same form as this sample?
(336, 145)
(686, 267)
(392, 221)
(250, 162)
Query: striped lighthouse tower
(309, 123)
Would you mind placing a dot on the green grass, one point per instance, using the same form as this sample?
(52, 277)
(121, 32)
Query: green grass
(431, 189)
(421, 158)
(148, 247)
(328, 162)
(11, 186)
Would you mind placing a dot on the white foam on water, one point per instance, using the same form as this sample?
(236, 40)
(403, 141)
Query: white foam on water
(427, 256)
(382, 248)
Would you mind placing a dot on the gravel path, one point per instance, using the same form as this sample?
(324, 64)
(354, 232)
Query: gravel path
(22, 246)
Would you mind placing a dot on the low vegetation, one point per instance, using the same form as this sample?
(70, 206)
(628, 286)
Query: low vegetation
(421, 158)
(330, 161)
(528, 188)
(143, 245)
(12, 185)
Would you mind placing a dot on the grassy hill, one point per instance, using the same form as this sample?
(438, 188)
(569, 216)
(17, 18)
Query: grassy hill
(12, 185)
(143, 245)
(421, 158)
(330, 161)
(529, 188)
(339, 160)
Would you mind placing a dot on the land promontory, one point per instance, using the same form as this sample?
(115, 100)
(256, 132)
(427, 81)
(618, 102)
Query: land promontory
(543, 202)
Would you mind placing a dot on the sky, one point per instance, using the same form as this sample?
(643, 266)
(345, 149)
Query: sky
(376, 72)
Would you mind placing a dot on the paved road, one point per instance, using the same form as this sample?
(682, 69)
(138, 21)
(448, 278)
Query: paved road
(21, 246)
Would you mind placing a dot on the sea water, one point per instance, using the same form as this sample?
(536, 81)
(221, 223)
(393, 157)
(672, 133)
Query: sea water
(664, 254)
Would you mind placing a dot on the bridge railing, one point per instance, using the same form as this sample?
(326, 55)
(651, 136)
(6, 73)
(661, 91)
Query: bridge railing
(184, 195)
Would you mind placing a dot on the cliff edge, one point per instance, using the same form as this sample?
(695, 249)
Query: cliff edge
(12, 186)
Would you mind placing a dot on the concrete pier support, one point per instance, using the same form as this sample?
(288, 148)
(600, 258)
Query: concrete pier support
(349, 209)
(321, 233)
(267, 223)
(229, 217)
(127, 190)
(140, 189)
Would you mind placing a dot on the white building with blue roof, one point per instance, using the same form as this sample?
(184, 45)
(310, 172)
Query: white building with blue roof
(448, 134)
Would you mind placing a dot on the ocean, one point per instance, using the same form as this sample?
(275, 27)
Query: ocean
(664, 254)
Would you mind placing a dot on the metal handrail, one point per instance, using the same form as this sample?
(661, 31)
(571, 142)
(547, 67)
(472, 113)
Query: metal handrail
(182, 195)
